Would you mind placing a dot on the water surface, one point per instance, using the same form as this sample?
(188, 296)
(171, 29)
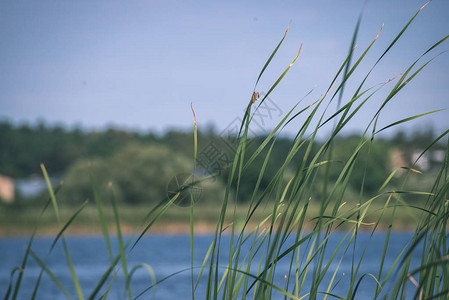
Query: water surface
(167, 255)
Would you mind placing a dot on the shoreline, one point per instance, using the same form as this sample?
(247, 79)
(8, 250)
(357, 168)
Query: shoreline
(168, 229)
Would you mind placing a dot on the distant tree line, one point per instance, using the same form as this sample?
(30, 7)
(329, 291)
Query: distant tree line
(139, 165)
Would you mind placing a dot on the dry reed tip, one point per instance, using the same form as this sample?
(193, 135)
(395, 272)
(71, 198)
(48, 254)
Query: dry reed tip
(391, 79)
(300, 47)
(415, 171)
(382, 27)
(330, 89)
(310, 105)
(410, 277)
(424, 5)
(286, 30)
(193, 111)
(296, 57)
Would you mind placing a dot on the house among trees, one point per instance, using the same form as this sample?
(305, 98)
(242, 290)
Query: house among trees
(6, 189)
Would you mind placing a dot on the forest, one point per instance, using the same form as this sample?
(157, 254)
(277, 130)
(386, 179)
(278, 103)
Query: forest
(142, 165)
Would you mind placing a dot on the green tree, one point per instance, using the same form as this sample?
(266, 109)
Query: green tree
(373, 165)
(140, 174)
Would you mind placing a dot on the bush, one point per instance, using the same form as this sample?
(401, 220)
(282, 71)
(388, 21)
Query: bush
(139, 174)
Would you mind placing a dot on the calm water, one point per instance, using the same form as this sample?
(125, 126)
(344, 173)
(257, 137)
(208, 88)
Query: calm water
(166, 255)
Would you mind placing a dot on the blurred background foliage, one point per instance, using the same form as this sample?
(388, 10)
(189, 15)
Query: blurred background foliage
(140, 165)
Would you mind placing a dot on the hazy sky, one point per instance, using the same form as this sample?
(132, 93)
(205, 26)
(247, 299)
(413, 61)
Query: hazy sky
(139, 64)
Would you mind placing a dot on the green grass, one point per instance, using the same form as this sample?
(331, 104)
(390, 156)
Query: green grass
(280, 222)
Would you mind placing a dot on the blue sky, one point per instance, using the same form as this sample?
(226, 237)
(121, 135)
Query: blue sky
(139, 64)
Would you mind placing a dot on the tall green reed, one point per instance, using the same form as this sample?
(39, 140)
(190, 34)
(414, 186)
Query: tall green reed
(290, 204)
(254, 251)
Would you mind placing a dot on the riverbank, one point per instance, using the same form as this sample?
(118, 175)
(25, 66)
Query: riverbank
(21, 221)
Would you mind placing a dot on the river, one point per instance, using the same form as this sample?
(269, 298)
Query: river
(168, 254)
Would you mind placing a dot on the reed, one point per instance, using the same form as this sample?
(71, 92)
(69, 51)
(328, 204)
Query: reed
(255, 251)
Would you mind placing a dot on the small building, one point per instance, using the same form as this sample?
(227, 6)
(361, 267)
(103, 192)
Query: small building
(6, 189)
